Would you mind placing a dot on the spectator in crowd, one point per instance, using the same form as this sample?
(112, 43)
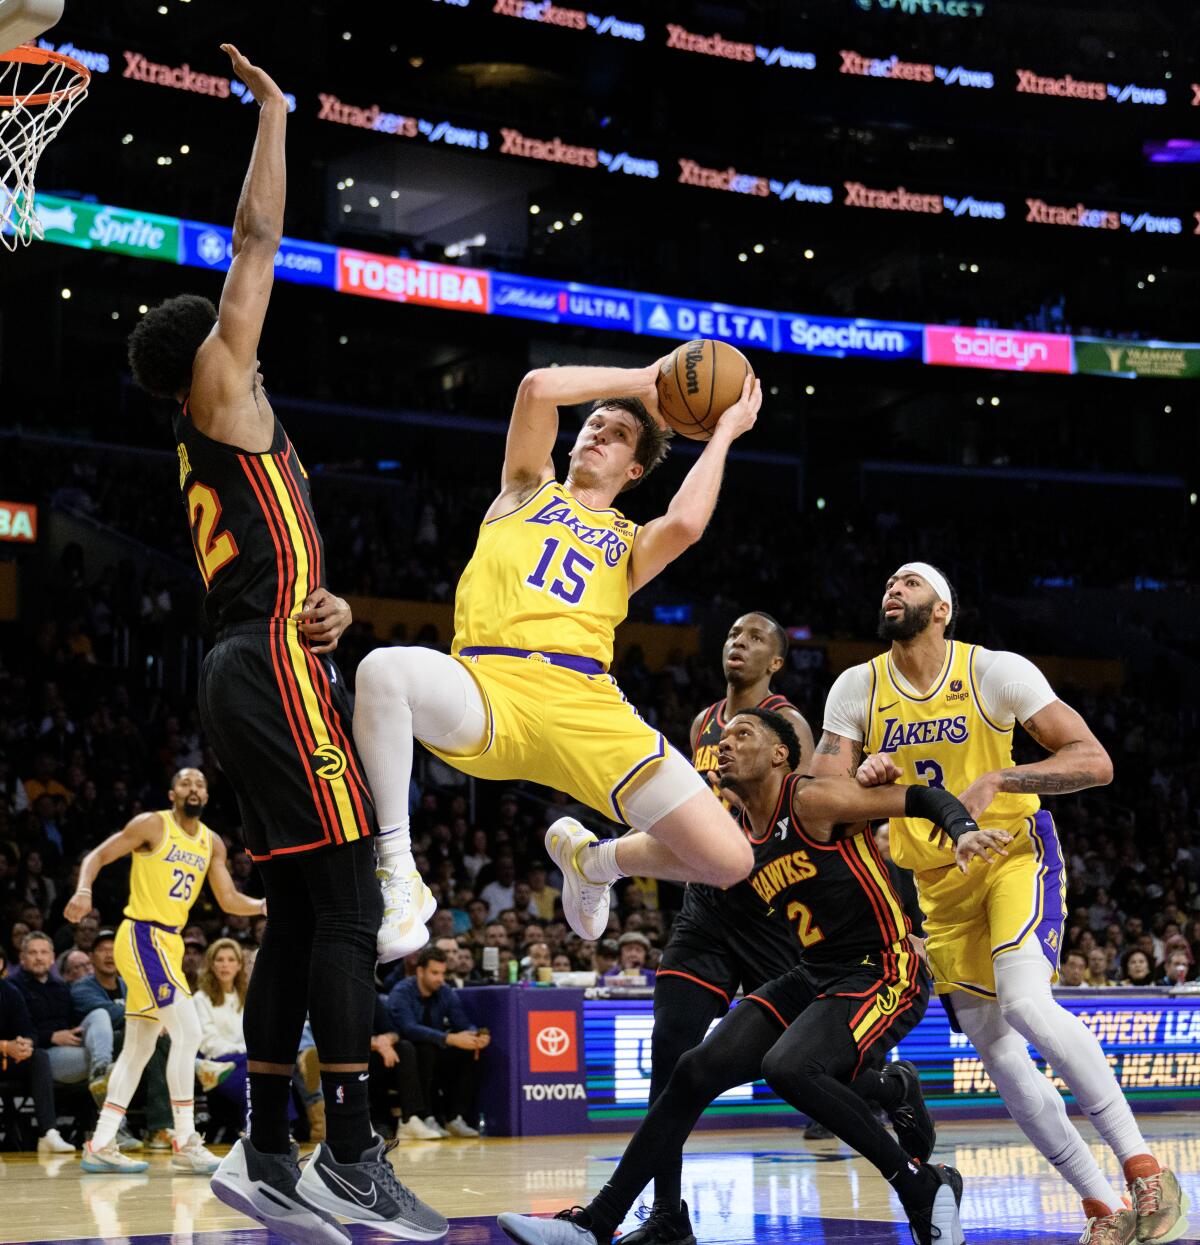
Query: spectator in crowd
(394, 1071)
(1178, 967)
(1097, 969)
(537, 956)
(80, 1047)
(194, 947)
(498, 894)
(1073, 969)
(73, 964)
(633, 949)
(33, 885)
(544, 896)
(1137, 969)
(28, 1064)
(220, 1001)
(495, 935)
(427, 1012)
(562, 963)
(478, 856)
(605, 956)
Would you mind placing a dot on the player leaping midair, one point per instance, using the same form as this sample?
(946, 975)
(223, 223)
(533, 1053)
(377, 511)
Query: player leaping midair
(526, 693)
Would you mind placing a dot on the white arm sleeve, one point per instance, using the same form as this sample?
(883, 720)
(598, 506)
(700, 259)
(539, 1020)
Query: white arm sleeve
(1011, 687)
(846, 708)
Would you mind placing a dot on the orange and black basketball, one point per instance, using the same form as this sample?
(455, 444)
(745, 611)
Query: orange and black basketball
(697, 383)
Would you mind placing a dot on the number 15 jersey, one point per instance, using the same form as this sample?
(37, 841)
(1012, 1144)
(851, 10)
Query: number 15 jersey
(164, 883)
(551, 576)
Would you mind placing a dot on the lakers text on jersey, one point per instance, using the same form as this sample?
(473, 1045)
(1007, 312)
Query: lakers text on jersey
(945, 738)
(163, 885)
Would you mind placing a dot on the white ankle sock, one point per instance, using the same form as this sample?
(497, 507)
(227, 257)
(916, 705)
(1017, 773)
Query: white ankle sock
(598, 862)
(393, 847)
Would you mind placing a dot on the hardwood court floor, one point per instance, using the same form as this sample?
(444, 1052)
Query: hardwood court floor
(744, 1188)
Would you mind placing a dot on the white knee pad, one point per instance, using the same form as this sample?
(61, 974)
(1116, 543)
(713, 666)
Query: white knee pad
(446, 704)
(672, 781)
(1027, 1004)
(1005, 1056)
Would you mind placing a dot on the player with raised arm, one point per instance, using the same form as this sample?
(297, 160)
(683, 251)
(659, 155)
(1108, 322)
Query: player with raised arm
(173, 853)
(817, 1034)
(525, 693)
(935, 710)
(276, 713)
(723, 940)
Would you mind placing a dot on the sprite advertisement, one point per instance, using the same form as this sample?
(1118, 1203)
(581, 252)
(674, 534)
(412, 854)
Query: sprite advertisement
(101, 227)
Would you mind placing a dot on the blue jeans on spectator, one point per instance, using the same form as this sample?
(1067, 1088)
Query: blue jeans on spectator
(71, 1064)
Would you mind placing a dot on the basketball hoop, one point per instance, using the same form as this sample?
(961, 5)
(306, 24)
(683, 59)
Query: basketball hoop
(39, 90)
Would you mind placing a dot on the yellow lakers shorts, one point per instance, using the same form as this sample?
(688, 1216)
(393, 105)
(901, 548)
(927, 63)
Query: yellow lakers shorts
(562, 728)
(149, 958)
(971, 918)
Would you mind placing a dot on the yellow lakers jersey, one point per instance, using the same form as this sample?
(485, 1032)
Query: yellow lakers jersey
(164, 884)
(943, 738)
(551, 576)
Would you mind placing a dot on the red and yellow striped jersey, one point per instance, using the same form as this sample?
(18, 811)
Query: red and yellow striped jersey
(253, 529)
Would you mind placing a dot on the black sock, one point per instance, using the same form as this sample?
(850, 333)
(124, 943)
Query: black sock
(603, 1216)
(347, 1114)
(267, 1094)
(912, 1184)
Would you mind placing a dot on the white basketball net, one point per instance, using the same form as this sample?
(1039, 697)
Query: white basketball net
(26, 128)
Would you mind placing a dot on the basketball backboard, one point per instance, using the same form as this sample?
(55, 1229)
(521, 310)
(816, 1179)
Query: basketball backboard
(22, 20)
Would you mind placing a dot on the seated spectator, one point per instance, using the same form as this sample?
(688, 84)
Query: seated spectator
(633, 949)
(477, 914)
(394, 1068)
(1073, 969)
(1137, 969)
(1097, 974)
(495, 935)
(73, 965)
(34, 886)
(498, 894)
(537, 956)
(194, 947)
(80, 1047)
(442, 924)
(220, 1001)
(543, 895)
(427, 1013)
(28, 1064)
(1178, 967)
(562, 963)
(605, 956)
(478, 856)
(513, 924)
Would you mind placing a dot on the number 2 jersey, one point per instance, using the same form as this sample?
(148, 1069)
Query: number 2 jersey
(164, 883)
(253, 529)
(550, 576)
(836, 897)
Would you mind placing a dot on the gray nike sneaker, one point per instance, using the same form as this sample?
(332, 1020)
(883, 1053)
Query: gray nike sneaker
(369, 1192)
(263, 1186)
(564, 1229)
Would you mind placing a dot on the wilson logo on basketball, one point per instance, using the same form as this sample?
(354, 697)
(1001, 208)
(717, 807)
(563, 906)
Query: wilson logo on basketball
(691, 361)
(552, 1042)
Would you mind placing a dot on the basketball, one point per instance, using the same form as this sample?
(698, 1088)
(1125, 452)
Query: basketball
(697, 383)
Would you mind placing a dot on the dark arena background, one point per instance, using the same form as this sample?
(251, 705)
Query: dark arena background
(957, 240)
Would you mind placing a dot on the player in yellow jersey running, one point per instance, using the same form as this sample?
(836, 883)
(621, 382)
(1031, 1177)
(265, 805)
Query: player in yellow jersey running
(526, 692)
(935, 710)
(173, 852)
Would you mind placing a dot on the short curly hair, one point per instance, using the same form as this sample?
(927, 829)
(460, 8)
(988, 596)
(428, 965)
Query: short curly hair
(163, 345)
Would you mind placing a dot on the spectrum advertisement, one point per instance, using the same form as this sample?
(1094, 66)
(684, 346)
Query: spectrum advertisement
(145, 235)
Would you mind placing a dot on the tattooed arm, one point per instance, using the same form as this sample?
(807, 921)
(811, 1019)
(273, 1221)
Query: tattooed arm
(1077, 761)
(835, 756)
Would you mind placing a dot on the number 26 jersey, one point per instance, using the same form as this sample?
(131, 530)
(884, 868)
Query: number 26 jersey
(164, 883)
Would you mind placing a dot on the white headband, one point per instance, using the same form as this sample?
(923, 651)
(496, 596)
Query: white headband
(933, 577)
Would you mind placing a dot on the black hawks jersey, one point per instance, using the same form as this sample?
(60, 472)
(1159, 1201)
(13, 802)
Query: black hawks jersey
(256, 539)
(704, 758)
(837, 897)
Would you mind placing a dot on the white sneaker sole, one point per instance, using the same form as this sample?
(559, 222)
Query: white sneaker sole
(573, 882)
(394, 945)
(276, 1212)
(196, 1168)
(317, 1193)
(945, 1217)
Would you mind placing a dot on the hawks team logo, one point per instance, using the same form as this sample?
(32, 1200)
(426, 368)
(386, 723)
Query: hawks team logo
(331, 762)
(887, 1000)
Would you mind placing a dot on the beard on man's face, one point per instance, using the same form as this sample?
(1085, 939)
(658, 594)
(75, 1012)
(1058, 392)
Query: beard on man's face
(911, 623)
(193, 805)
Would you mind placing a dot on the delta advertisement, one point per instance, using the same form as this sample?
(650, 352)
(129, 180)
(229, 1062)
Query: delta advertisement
(146, 235)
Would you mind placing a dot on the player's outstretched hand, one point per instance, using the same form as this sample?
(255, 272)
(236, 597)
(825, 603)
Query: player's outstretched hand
(323, 620)
(988, 845)
(743, 414)
(262, 85)
(877, 771)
